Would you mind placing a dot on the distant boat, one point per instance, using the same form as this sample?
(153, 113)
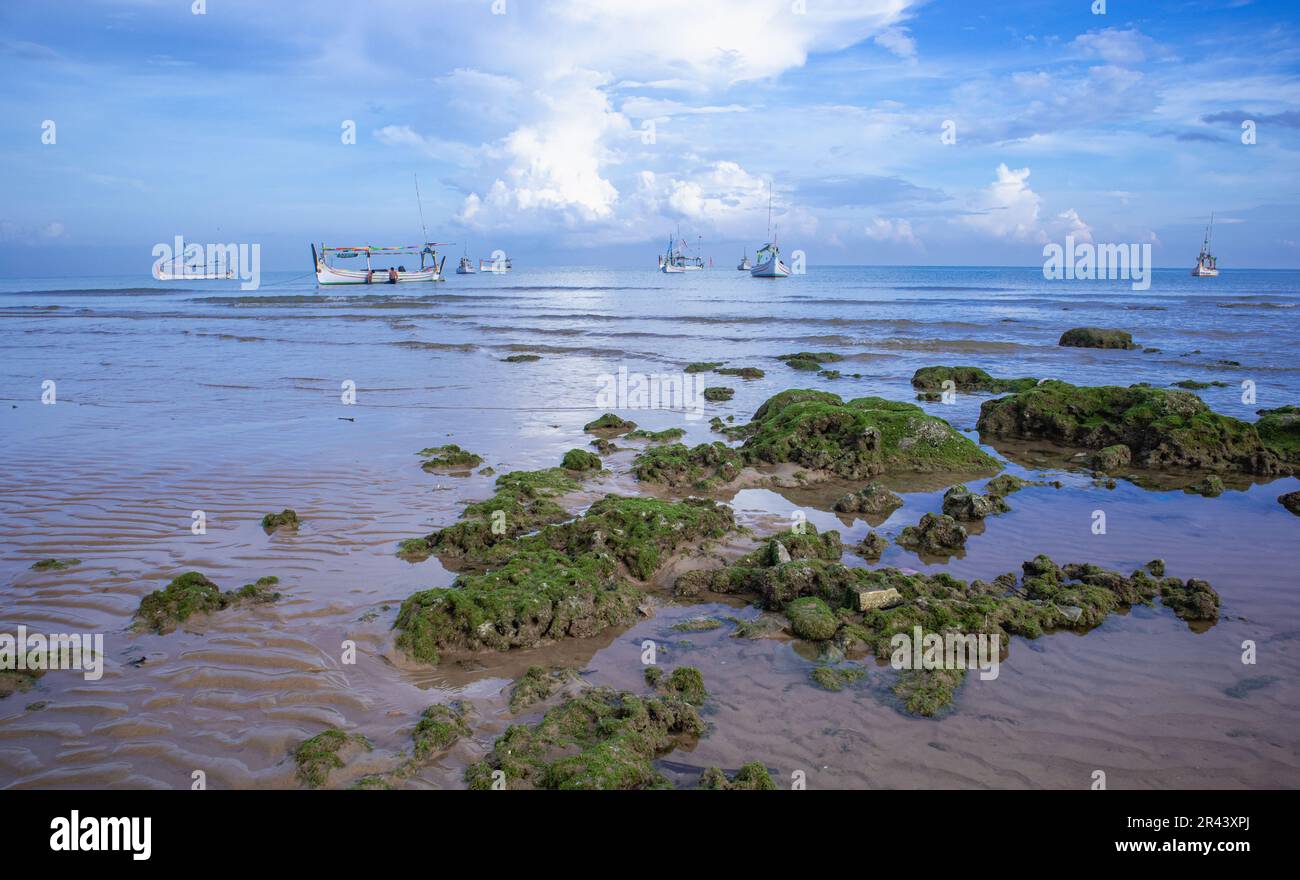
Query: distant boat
(1205, 263)
(744, 263)
(495, 265)
(677, 259)
(466, 266)
(430, 266)
(768, 259)
(179, 270)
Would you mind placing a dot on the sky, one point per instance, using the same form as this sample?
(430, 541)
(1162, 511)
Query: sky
(586, 132)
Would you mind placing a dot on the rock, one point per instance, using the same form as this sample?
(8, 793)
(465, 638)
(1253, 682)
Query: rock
(1193, 600)
(741, 372)
(522, 358)
(810, 361)
(1112, 458)
(328, 750)
(1004, 484)
(1279, 430)
(1291, 501)
(935, 535)
(932, 379)
(1160, 427)
(872, 499)
(701, 467)
(811, 619)
(449, 457)
(867, 599)
(780, 552)
(751, 777)
(54, 564)
(1211, 486)
(872, 547)
(285, 519)
(717, 394)
(961, 503)
(163, 610)
(441, 726)
(611, 423)
(581, 460)
(1096, 337)
(536, 684)
(703, 366)
(668, 435)
(836, 678)
(1156, 567)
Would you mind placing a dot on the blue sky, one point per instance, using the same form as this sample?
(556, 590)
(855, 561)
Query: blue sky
(585, 131)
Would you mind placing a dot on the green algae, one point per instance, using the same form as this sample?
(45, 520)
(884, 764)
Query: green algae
(609, 422)
(1096, 337)
(653, 675)
(601, 739)
(718, 394)
(700, 467)
(932, 379)
(1161, 427)
(668, 435)
(54, 564)
(811, 619)
(751, 777)
(537, 684)
(1193, 385)
(581, 460)
(872, 547)
(836, 678)
(697, 624)
(16, 681)
(936, 535)
(285, 519)
(809, 361)
(191, 593)
(741, 372)
(439, 728)
(703, 366)
(1279, 430)
(449, 457)
(318, 756)
(522, 358)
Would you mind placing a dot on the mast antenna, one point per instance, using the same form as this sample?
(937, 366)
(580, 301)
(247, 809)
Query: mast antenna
(420, 204)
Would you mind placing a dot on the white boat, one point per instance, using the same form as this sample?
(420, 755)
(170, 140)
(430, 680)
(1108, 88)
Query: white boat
(744, 263)
(769, 263)
(1206, 263)
(179, 270)
(466, 266)
(677, 259)
(430, 266)
(495, 265)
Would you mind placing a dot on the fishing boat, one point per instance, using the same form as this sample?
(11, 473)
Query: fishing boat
(327, 273)
(1206, 263)
(768, 263)
(465, 267)
(496, 264)
(180, 270)
(676, 259)
(744, 263)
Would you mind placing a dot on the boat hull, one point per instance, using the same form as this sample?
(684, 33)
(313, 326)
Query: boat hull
(772, 268)
(328, 275)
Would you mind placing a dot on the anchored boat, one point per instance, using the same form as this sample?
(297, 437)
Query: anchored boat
(430, 265)
(678, 260)
(768, 259)
(744, 263)
(501, 264)
(1206, 263)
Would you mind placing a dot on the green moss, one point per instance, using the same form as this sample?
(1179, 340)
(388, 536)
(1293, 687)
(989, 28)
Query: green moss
(54, 564)
(601, 739)
(414, 549)
(439, 728)
(536, 685)
(1096, 337)
(809, 360)
(703, 366)
(1190, 600)
(935, 535)
(700, 467)
(927, 692)
(811, 619)
(751, 777)
(697, 624)
(1160, 427)
(1193, 385)
(932, 379)
(191, 593)
(609, 422)
(836, 678)
(318, 756)
(864, 437)
(581, 460)
(717, 394)
(653, 675)
(1279, 431)
(668, 435)
(285, 519)
(522, 358)
(741, 372)
(448, 457)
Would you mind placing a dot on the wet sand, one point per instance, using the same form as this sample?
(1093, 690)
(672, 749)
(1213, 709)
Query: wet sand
(229, 403)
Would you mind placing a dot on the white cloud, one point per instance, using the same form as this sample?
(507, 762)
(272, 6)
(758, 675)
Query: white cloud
(1114, 46)
(896, 231)
(434, 148)
(898, 41)
(1009, 210)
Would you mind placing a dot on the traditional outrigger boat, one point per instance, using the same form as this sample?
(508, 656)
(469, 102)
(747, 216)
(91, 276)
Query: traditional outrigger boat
(430, 265)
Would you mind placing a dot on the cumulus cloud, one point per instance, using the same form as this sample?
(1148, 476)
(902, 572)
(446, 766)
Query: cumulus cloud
(1009, 210)
(895, 231)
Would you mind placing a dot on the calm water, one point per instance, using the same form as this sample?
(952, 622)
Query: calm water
(184, 397)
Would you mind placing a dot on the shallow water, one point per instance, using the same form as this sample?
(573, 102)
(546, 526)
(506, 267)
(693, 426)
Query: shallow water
(202, 397)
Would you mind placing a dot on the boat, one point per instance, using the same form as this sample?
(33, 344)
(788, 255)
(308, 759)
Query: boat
(179, 270)
(465, 267)
(677, 260)
(1206, 263)
(744, 263)
(767, 262)
(326, 273)
(496, 264)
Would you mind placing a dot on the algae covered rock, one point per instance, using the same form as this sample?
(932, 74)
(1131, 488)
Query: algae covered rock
(872, 547)
(601, 739)
(1096, 337)
(1279, 430)
(702, 366)
(810, 361)
(668, 435)
(932, 379)
(285, 519)
(862, 438)
(581, 460)
(537, 684)
(448, 458)
(1210, 486)
(699, 467)
(609, 423)
(748, 373)
(1192, 600)
(751, 777)
(718, 393)
(873, 499)
(811, 619)
(935, 535)
(1159, 426)
(325, 752)
(1112, 458)
(522, 358)
(1291, 501)
(191, 593)
(54, 564)
(1004, 484)
(439, 728)
(961, 503)
(836, 678)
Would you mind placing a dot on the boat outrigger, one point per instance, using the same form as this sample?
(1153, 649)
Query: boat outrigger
(430, 265)
(1206, 263)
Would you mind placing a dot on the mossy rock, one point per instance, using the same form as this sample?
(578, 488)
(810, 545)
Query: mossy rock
(448, 458)
(751, 777)
(285, 519)
(16, 681)
(439, 728)
(872, 547)
(667, 435)
(701, 467)
(325, 752)
(703, 366)
(809, 360)
(601, 739)
(1096, 337)
(581, 460)
(811, 619)
(717, 394)
(697, 624)
(962, 504)
(861, 438)
(54, 564)
(873, 499)
(1193, 385)
(1291, 501)
(934, 535)
(748, 373)
(932, 379)
(1279, 430)
(537, 684)
(191, 593)
(1192, 600)
(836, 678)
(611, 423)
(1161, 428)
(522, 358)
